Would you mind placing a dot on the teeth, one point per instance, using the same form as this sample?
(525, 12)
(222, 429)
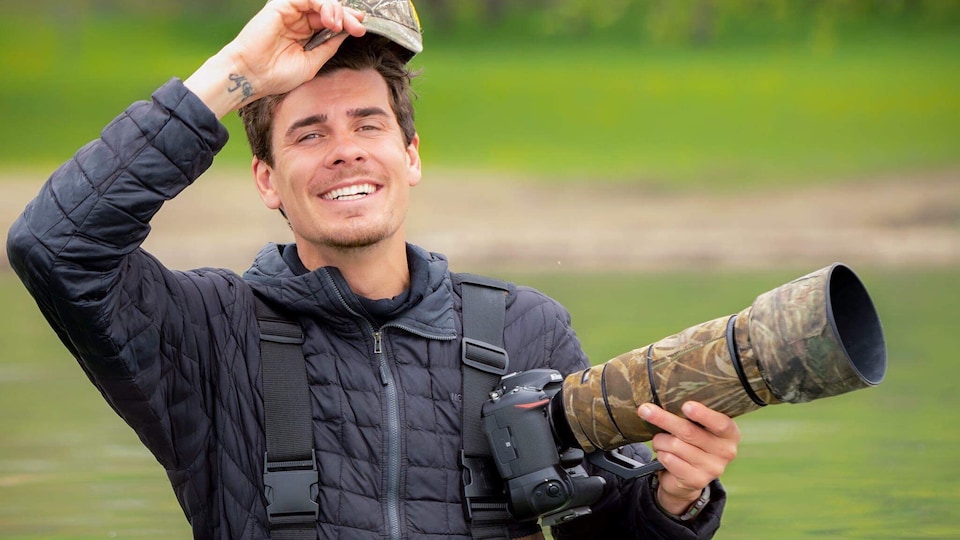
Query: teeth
(349, 193)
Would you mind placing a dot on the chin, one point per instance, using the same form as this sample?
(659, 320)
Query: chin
(357, 241)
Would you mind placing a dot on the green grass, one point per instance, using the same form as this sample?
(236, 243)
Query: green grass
(722, 118)
(685, 117)
(874, 464)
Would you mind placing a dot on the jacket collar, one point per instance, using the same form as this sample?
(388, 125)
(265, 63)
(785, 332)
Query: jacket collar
(324, 295)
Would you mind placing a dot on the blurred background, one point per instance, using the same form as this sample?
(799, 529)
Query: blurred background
(652, 164)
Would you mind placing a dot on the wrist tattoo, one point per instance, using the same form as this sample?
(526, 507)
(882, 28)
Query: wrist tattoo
(241, 83)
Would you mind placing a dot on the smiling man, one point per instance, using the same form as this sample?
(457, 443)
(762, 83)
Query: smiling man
(178, 354)
(341, 169)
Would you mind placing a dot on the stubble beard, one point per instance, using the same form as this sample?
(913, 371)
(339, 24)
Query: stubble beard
(361, 238)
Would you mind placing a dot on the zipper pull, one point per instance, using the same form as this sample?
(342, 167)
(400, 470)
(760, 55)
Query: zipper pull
(384, 374)
(382, 364)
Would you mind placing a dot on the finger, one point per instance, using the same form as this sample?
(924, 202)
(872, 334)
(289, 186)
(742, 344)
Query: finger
(338, 16)
(678, 430)
(710, 463)
(713, 421)
(713, 450)
(669, 422)
(357, 14)
(681, 478)
(332, 15)
(315, 21)
(688, 429)
(353, 24)
(303, 15)
(310, 6)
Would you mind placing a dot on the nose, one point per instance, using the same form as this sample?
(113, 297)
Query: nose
(345, 151)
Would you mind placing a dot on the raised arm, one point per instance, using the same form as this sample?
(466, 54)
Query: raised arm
(267, 57)
(139, 330)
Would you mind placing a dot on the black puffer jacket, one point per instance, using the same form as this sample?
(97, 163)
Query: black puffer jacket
(176, 354)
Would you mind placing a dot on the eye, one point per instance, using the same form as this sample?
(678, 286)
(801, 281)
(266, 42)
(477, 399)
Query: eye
(308, 137)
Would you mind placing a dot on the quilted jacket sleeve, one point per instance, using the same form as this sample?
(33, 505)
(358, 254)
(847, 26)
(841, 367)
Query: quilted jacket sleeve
(627, 508)
(139, 330)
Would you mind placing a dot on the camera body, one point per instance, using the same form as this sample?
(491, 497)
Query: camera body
(541, 479)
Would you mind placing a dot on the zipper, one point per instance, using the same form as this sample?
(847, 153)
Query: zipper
(392, 432)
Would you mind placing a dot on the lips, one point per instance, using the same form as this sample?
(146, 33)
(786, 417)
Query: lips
(349, 193)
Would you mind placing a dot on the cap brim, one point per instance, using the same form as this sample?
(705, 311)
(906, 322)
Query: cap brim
(404, 36)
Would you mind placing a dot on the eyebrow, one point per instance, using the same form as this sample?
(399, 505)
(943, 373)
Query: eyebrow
(361, 112)
(308, 121)
(364, 112)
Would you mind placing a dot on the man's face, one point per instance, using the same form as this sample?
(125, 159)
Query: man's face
(342, 171)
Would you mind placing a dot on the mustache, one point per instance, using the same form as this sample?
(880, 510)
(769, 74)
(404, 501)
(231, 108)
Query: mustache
(356, 171)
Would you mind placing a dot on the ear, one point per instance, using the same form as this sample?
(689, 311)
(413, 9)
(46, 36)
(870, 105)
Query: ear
(263, 175)
(413, 156)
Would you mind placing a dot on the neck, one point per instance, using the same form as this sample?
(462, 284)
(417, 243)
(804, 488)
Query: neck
(374, 272)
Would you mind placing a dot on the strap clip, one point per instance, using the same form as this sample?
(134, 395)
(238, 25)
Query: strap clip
(484, 356)
(484, 498)
(291, 490)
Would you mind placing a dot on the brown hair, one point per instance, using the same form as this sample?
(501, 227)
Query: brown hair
(368, 52)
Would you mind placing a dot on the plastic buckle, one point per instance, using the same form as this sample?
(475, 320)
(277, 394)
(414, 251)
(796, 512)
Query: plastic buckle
(290, 488)
(484, 356)
(483, 494)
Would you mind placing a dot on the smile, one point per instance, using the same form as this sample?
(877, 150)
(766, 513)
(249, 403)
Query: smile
(349, 193)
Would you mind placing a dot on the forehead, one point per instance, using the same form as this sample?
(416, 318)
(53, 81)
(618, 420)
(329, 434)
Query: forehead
(334, 93)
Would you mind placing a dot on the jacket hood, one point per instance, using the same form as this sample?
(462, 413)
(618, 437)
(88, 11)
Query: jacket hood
(325, 295)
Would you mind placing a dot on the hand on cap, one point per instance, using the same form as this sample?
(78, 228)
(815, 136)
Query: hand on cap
(694, 450)
(267, 56)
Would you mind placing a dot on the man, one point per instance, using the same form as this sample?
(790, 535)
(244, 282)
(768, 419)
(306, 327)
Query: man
(177, 354)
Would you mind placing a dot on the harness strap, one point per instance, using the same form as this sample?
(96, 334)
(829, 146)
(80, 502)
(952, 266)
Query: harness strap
(484, 361)
(290, 466)
(290, 474)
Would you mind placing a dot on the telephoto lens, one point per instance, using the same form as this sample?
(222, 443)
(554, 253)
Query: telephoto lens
(815, 337)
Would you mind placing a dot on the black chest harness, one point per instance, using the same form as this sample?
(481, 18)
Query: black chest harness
(501, 413)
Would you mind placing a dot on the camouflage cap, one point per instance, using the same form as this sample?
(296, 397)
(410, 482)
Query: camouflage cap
(396, 20)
